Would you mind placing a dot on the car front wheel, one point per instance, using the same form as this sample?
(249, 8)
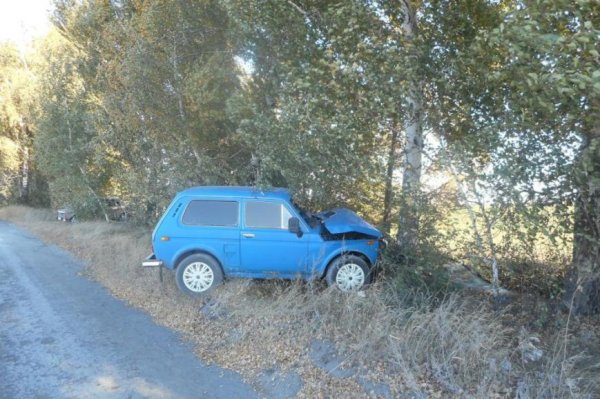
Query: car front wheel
(198, 274)
(348, 273)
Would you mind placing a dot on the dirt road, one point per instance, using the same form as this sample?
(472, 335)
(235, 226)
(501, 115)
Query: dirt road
(64, 336)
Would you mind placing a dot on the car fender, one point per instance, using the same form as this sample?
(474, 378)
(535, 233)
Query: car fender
(185, 251)
(337, 253)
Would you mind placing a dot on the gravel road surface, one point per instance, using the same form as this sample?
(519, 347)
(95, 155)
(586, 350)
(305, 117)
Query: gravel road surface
(64, 336)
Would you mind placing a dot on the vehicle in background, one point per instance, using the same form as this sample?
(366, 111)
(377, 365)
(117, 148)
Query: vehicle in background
(65, 215)
(210, 233)
(115, 209)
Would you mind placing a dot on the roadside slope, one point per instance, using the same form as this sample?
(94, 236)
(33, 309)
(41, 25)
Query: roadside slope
(292, 339)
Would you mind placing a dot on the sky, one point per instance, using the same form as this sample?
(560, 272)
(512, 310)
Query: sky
(21, 20)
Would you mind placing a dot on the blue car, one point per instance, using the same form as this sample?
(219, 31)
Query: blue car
(211, 233)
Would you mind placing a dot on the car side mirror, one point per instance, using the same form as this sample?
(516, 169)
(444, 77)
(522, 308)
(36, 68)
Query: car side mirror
(294, 226)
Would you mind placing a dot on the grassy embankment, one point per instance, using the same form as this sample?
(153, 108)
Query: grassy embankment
(461, 347)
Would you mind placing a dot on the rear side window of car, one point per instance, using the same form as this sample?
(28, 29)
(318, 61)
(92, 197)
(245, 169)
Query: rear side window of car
(211, 213)
(266, 215)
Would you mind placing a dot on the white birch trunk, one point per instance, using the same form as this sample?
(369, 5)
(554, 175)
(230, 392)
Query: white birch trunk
(408, 228)
(389, 180)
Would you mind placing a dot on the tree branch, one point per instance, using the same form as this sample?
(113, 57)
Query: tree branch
(297, 7)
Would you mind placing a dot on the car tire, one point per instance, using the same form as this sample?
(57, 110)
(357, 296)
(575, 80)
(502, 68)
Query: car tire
(198, 274)
(348, 273)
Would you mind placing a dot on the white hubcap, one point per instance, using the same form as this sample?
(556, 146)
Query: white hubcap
(350, 277)
(198, 277)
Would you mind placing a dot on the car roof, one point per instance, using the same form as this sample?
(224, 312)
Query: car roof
(237, 192)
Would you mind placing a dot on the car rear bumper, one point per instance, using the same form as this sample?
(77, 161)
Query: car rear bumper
(151, 261)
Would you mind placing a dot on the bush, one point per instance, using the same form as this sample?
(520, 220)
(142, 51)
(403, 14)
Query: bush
(421, 273)
(523, 275)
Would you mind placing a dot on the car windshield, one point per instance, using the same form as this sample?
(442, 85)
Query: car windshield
(306, 215)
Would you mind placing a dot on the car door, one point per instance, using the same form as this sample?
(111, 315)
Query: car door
(212, 225)
(267, 248)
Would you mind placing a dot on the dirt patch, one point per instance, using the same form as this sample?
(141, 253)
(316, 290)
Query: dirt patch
(270, 331)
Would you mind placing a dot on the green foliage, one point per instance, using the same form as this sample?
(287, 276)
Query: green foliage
(19, 177)
(135, 103)
(545, 75)
(9, 165)
(306, 112)
(67, 147)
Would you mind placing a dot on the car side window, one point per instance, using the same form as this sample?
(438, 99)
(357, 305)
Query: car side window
(211, 213)
(266, 215)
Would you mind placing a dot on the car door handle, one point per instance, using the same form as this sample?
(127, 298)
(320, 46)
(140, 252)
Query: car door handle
(248, 235)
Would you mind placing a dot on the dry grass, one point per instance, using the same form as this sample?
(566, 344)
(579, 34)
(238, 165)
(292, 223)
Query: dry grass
(459, 348)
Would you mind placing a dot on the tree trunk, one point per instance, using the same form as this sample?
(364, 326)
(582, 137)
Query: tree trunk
(24, 170)
(490, 238)
(389, 179)
(583, 280)
(93, 194)
(408, 223)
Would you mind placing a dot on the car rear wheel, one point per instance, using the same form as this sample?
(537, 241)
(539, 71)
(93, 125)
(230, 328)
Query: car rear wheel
(198, 274)
(348, 273)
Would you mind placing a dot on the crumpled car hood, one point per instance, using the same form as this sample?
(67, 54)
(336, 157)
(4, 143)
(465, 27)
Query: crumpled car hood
(342, 220)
